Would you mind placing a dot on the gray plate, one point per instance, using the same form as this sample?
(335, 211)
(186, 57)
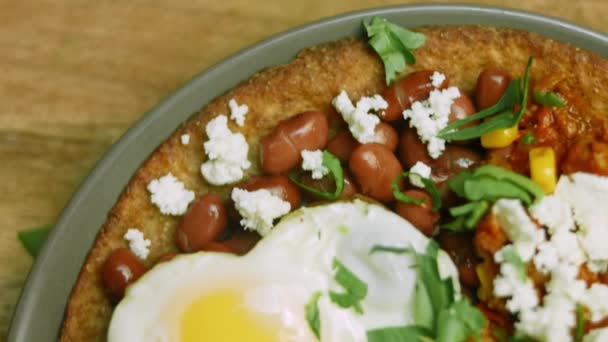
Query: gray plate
(39, 314)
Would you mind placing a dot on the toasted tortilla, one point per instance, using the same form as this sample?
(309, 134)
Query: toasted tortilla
(310, 82)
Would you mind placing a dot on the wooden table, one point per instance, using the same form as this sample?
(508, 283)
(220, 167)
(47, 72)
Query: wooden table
(74, 75)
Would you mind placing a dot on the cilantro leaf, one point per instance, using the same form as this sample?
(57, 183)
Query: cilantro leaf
(355, 288)
(501, 115)
(528, 138)
(410, 333)
(549, 99)
(429, 186)
(312, 313)
(33, 240)
(332, 163)
(393, 44)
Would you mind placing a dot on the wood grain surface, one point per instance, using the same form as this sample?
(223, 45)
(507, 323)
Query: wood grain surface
(75, 74)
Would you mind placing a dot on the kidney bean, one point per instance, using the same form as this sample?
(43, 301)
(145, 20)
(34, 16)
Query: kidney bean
(327, 184)
(342, 145)
(460, 248)
(215, 246)
(462, 107)
(119, 270)
(279, 186)
(280, 150)
(401, 94)
(411, 149)
(453, 160)
(387, 135)
(421, 216)
(166, 257)
(241, 241)
(375, 167)
(491, 84)
(204, 222)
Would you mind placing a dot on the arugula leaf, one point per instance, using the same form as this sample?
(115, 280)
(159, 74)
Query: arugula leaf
(312, 313)
(393, 44)
(33, 240)
(355, 288)
(332, 163)
(528, 138)
(428, 186)
(579, 331)
(504, 115)
(491, 189)
(510, 256)
(410, 333)
(549, 99)
(515, 178)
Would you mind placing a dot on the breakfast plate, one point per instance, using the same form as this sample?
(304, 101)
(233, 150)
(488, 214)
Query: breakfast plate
(41, 309)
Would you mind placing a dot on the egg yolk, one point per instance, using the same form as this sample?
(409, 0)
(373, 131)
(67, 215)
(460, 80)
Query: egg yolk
(223, 316)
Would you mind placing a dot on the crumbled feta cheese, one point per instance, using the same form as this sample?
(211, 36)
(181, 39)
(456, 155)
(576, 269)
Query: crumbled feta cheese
(551, 322)
(568, 248)
(596, 300)
(554, 213)
(259, 208)
(313, 161)
(596, 335)
(431, 116)
(437, 79)
(509, 284)
(518, 227)
(170, 195)
(185, 138)
(564, 280)
(545, 259)
(137, 244)
(417, 171)
(361, 123)
(238, 112)
(227, 153)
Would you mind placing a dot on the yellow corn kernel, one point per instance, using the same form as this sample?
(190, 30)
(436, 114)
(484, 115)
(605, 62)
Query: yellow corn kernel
(543, 170)
(501, 137)
(484, 292)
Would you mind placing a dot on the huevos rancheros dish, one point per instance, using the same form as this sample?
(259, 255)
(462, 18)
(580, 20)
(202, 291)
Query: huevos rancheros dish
(446, 184)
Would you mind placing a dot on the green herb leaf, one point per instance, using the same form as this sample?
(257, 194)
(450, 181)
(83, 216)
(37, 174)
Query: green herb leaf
(428, 186)
(528, 138)
(423, 306)
(312, 313)
(391, 249)
(332, 163)
(467, 216)
(487, 188)
(410, 333)
(355, 288)
(579, 331)
(549, 99)
(456, 183)
(393, 44)
(33, 240)
(510, 256)
(503, 111)
(503, 174)
(459, 322)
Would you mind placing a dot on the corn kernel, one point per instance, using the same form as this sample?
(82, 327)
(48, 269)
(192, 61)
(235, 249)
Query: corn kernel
(543, 170)
(501, 137)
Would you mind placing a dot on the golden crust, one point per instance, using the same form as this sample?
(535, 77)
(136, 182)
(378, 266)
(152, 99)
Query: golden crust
(309, 83)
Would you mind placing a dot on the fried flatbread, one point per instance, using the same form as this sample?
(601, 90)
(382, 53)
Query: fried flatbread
(309, 83)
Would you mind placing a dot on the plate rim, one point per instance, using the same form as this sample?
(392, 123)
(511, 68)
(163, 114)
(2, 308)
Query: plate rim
(32, 293)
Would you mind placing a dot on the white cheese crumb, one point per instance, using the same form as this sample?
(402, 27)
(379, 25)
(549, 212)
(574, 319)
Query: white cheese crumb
(509, 283)
(170, 195)
(518, 227)
(596, 335)
(421, 170)
(546, 258)
(564, 281)
(227, 153)
(185, 138)
(313, 161)
(554, 213)
(430, 116)
(238, 112)
(596, 300)
(551, 322)
(137, 244)
(437, 79)
(361, 123)
(259, 208)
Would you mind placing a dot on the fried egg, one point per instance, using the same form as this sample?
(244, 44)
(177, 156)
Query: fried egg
(262, 296)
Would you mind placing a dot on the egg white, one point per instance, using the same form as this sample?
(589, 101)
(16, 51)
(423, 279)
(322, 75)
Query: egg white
(279, 276)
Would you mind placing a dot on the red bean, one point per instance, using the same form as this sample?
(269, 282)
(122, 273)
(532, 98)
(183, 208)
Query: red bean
(327, 184)
(204, 222)
(241, 241)
(462, 107)
(375, 167)
(421, 216)
(120, 270)
(387, 135)
(453, 160)
(279, 186)
(220, 247)
(491, 84)
(411, 149)
(342, 145)
(280, 150)
(401, 94)
(460, 248)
